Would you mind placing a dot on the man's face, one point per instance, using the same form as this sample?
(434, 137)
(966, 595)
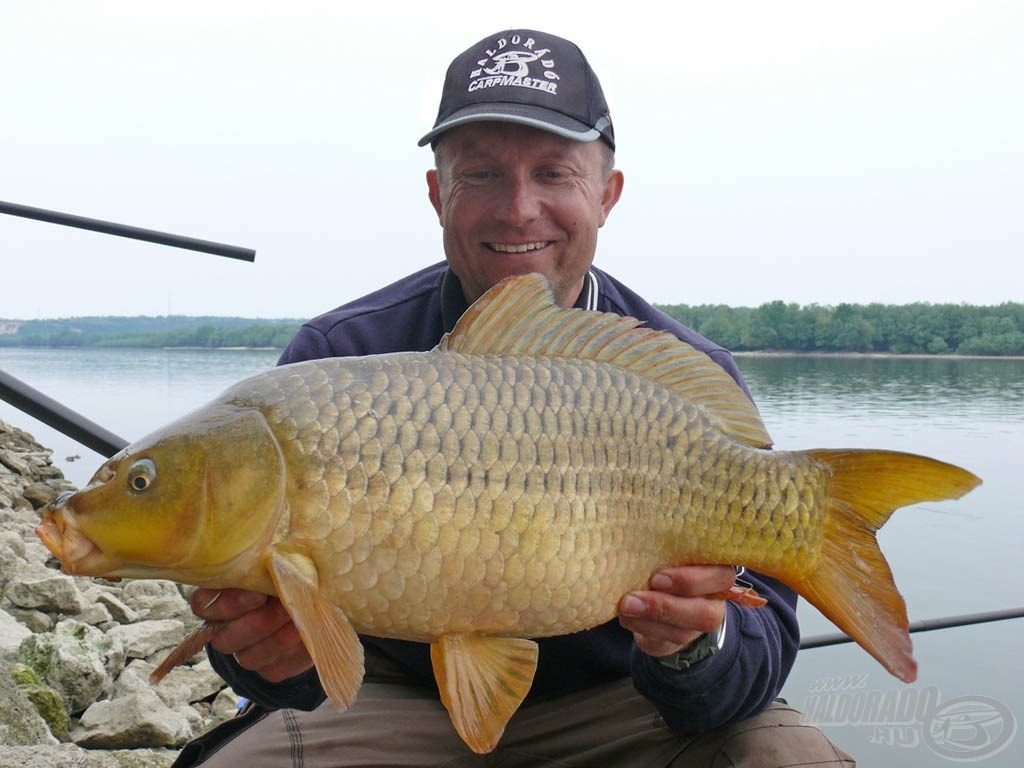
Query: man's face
(513, 200)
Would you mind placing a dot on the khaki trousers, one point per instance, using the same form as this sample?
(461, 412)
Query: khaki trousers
(608, 726)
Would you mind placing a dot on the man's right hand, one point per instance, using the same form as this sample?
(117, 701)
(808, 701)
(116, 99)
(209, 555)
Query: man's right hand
(257, 631)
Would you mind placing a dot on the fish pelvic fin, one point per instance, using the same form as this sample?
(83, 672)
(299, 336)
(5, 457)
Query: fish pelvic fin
(852, 584)
(482, 681)
(326, 631)
(519, 317)
(186, 649)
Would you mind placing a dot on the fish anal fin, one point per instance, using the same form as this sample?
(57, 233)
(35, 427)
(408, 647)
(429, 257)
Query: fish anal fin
(519, 317)
(326, 631)
(482, 681)
(851, 582)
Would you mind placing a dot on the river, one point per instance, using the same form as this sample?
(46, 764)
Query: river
(948, 558)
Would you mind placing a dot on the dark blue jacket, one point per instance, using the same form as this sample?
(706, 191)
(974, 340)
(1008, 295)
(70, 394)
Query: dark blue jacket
(760, 644)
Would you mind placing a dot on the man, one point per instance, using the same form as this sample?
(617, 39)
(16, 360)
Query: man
(524, 179)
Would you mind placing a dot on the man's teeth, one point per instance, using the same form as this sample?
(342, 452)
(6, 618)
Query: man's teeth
(509, 248)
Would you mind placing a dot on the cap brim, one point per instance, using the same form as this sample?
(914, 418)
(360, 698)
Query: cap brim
(535, 117)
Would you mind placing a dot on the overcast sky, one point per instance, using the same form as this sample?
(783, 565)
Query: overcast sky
(809, 151)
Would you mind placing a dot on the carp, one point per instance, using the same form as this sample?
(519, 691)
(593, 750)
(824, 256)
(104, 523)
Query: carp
(513, 483)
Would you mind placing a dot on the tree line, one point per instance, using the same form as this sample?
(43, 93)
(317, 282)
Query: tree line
(920, 328)
(207, 335)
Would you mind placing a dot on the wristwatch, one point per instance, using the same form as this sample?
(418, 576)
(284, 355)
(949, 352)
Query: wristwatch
(706, 645)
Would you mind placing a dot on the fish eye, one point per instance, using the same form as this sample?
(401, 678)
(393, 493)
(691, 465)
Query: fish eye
(141, 475)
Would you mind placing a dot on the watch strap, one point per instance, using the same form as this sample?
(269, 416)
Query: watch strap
(706, 645)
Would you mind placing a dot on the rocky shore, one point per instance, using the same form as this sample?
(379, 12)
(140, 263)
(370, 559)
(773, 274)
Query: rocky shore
(76, 653)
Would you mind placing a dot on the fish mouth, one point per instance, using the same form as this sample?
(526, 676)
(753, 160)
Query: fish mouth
(66, 542)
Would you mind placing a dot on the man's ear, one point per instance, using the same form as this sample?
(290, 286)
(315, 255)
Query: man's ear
(612, 193)
(434, 190)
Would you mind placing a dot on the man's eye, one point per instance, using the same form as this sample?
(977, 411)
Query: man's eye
(553, 174)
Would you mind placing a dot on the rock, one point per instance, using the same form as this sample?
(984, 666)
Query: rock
(147, 637)
(156, 599)
(47, 590)
(181, 687)
(137, 720)
(14, 463)
(119, 611)
(75, 659)
(32, 620)
(12, 633)
(96, 615)
(71, 756)
(20, 722)
(39, 494)
(225, 706)
(47, 701)
(13, 543)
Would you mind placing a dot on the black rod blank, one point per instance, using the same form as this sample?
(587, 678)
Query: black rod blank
(59, 416)
(124, 230)
(924, 625)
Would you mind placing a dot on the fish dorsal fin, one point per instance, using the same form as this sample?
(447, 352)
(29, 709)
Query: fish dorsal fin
(325, 630)
(482, 681)
(519, 317)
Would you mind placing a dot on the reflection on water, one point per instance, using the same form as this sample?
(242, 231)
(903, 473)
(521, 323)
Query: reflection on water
(949, 388)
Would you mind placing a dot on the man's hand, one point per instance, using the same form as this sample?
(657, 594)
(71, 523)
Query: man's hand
(677, 608)
(258, 632)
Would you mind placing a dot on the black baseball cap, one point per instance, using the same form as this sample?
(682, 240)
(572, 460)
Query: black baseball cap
(527, 77)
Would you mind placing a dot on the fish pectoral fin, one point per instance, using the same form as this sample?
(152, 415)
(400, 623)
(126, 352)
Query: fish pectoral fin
(186, 649)
(482, 680)
(745, 596)
(325, 629)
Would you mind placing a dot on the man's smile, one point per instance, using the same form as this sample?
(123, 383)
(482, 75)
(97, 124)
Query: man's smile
(517, 247)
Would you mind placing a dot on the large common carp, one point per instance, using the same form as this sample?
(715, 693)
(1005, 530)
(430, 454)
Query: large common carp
(513, 483)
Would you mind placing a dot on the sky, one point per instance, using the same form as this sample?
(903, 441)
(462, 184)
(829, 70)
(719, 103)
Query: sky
(798, 150)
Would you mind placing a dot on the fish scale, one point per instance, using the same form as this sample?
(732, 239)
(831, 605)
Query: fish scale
(502, 487)
(534, 471)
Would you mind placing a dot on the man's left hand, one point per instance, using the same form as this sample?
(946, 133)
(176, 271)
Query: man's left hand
(677, 608)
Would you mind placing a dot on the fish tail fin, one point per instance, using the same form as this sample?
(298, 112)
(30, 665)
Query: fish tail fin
(852, 584)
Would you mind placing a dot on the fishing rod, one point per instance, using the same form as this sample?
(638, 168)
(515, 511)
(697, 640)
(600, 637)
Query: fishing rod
(46, 409)
(59, 416)
(124, 230)
(924, 625)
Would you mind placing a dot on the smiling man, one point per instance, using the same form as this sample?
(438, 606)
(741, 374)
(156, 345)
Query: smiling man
(513, 199)
(524, 179)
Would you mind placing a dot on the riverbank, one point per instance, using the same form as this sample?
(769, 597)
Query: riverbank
(76, 653)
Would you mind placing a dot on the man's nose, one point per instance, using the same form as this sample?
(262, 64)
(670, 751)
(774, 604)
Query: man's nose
(520, 201)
